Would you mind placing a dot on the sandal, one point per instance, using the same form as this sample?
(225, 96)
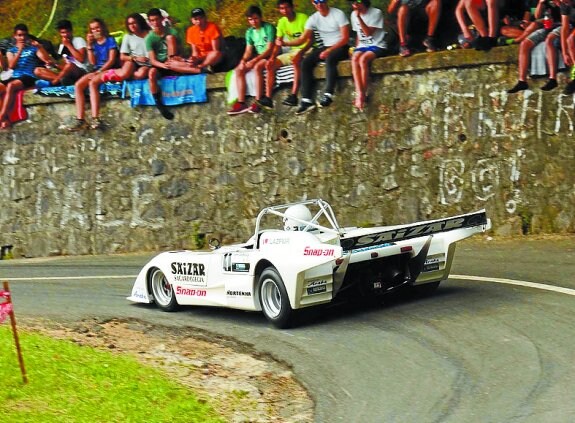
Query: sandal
(5, 125)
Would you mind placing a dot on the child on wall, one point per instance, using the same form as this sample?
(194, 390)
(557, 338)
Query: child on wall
(102, 56)
(289, 28)
(22, 58)
(72, 50)
(367, 22)
(259, 46)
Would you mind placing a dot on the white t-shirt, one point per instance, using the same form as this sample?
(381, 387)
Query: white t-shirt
(134, 46)
(328, 27)
(77, 42)
(373, 18)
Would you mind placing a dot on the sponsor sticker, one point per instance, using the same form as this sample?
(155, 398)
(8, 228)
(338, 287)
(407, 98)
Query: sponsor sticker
(432, 264)
(189, 273)
(415, 231)
(240, 267)
(276, 241)
(190, 292)
(431, 267)
(140, 294)
(316, 289)
(317, 282)
(372, 247)
(432, 260)
(327, 252)
(231, 293)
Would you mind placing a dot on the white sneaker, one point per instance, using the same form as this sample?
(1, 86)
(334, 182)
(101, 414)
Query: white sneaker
(7, 74)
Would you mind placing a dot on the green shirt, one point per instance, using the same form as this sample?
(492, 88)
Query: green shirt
(157, 43)
(259, 38)
(289, 31)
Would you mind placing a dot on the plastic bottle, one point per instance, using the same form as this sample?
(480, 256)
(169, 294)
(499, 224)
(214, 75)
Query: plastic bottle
(547, 21)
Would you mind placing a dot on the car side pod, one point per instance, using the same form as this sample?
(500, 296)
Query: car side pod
(415, 265)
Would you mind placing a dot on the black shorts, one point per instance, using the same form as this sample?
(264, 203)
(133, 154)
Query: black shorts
(27, 81)
(167, 72)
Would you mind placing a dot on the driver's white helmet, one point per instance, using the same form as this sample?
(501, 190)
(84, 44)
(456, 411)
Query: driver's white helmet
(300, 212)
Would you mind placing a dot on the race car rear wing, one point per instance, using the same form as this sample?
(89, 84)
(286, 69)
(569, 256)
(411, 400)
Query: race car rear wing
(414, 230)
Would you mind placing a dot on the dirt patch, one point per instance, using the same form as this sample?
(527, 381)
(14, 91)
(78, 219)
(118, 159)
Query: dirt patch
(241, 385)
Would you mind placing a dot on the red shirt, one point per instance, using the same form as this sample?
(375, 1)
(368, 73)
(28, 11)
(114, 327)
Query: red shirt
(203, 39)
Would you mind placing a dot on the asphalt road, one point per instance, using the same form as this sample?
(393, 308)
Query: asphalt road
(476, 351)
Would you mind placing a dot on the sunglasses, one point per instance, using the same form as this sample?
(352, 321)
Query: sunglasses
(319, 1)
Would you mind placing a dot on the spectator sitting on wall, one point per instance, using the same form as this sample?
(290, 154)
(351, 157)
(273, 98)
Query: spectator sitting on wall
(73, 51)
(102, 56)
(516, 18)
(404, 8)
(205, 40)
(133, 52)
(367, 22)
(568, 40)
(544, 29)
(163, 45)
(290, 27)
(487, 32)
(22, 58)
(259, 46)
(5, 44)
(332, 27)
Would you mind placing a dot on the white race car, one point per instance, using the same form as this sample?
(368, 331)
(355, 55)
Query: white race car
(309, 261)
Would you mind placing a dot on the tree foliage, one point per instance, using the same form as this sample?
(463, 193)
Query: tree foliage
(229, 14)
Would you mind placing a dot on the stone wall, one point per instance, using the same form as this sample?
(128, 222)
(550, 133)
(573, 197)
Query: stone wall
(440, 136)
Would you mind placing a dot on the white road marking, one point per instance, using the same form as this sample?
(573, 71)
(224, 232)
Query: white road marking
(542, 286)
(526, 284)
(69, 278)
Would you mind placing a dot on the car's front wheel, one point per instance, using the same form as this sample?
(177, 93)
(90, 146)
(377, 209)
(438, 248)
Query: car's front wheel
(274, 299)
(162, 291)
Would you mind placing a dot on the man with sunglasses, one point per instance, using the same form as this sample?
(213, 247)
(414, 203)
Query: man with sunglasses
(332, 26)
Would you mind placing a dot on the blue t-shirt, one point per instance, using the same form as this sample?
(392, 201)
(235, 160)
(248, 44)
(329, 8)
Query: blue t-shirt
(101, 51)
(26, 62)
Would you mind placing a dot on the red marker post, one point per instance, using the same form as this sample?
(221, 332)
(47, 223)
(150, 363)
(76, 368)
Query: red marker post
(7, 309)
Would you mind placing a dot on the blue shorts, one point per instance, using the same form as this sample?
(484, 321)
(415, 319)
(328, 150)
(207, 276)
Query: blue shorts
(379, 52)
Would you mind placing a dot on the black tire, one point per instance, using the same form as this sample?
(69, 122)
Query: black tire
(162, 291)
(274, 299)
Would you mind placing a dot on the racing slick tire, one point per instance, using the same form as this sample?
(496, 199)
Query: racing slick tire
(162, 291)
(274, 299)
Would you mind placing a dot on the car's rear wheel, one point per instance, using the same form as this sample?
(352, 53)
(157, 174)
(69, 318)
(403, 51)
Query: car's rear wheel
(274, 299)
(162, 291)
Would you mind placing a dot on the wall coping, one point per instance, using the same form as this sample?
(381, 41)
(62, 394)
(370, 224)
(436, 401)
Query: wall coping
(420, 62)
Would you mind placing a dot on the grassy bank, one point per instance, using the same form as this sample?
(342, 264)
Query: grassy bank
(80, 384)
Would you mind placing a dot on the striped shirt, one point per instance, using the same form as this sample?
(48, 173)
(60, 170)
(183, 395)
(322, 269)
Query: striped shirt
(26, 62)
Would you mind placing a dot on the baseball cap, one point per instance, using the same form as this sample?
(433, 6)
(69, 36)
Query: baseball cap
(198, 11)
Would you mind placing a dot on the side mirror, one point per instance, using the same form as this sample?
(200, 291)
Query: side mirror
(214, 243)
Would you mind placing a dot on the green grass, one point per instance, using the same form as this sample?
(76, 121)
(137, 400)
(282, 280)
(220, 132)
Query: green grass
(70, 383)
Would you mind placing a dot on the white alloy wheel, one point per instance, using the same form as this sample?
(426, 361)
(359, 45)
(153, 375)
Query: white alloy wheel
(162, 291)
(274, 299)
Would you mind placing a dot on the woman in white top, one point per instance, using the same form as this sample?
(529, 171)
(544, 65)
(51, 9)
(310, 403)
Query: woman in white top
(367, 22)
(133, 52)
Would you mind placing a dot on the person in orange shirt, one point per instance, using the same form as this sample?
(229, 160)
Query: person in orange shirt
(205, 40)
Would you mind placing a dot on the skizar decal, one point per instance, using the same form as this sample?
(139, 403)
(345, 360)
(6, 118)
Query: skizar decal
(189, 273)
(429, 228)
